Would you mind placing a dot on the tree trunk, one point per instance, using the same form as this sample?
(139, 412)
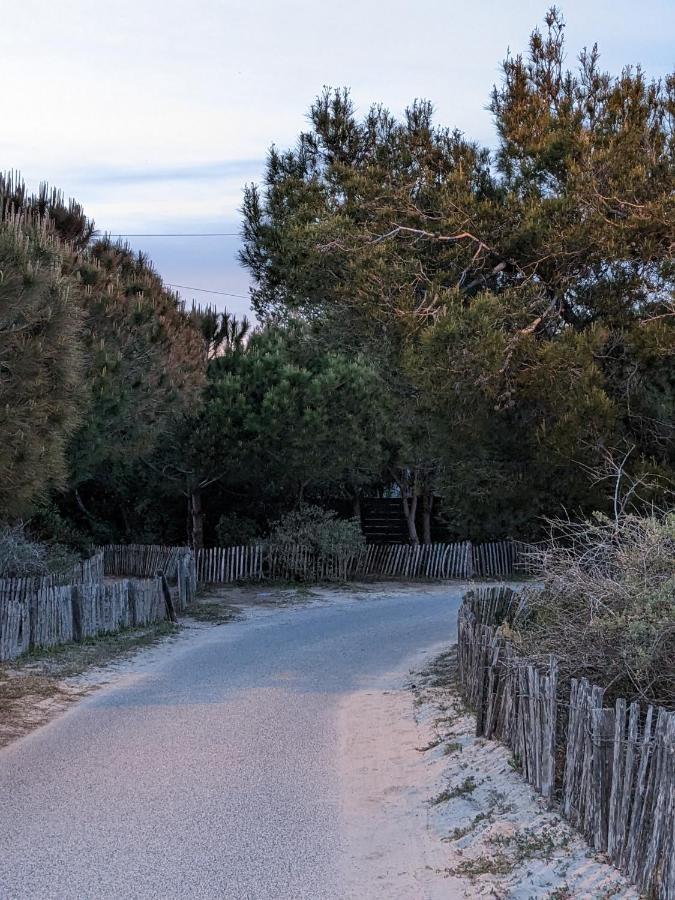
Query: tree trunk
(427, 508)
(197, 519)
(125, 519)
(188, 520)
(356, 507)
(410, 510)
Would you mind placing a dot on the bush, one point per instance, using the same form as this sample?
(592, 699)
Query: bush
(607, 605)
(22, 557)
(317, 528)
(329, 539)
(48, 526)
(234, 530)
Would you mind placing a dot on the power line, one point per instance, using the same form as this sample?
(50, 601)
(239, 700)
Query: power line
(186, 287)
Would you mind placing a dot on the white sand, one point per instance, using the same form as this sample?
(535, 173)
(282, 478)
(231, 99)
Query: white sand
(499, 839)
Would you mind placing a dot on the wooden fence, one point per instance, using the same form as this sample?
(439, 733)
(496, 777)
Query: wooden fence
(56, 614)
(88, 570)
(81, 603)
(222, 565)
(515, 699)
(177, 564)
(612, 771)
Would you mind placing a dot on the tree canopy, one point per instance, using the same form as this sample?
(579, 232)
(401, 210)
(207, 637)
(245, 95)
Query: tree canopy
(467, 328)
(41, 363)
(520, 302)
(280, 419)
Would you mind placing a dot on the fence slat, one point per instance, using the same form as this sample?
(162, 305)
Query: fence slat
(225, 565)
(77, 604)
(618, 783)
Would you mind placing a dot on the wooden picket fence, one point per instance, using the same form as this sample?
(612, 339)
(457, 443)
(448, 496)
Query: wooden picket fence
(140, 560)
(415, 561)
(119, 587)
(223, 565)
(87, 570)
(619, 785)
(177, 564)
(515, 699)
(57, 614)
(499, 559)
(611, 771)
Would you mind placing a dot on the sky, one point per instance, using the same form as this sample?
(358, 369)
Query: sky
(154, 113)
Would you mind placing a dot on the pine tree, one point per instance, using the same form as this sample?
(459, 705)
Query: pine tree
(520, 305)
(41, 362)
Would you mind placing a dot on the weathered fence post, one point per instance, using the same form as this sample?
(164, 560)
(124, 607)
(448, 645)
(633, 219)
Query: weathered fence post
(132, 593)
(551, 730)
(76, 606)
(168, 600)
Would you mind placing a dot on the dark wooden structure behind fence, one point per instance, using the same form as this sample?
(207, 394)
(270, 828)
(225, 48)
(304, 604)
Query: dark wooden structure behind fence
(222, 565)
(611, 771)
(383, 520)
(117, 588)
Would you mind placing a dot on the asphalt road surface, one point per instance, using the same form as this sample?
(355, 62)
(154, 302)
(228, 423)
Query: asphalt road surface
(245, 761)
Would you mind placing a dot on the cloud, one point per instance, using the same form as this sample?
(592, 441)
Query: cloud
(157, 112)
(241, 169)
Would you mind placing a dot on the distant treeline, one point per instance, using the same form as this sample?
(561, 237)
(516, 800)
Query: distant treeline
(496, 328)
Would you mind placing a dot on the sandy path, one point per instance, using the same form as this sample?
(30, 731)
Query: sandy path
(498, 837)
(386, 788)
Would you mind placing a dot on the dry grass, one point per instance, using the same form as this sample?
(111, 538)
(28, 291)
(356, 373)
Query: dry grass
(607, 606)
(463, 789)
(40, 685)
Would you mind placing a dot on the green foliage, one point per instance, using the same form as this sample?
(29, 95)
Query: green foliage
(314, 418)
(41, 390)
(48, 525)
(516, 447)
(147, 362)
(519, 307)
(220, 331)
(233, 530)
(85, 324)
(319, 529)
(280, 417)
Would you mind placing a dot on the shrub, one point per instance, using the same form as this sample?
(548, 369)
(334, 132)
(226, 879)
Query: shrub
(317, 528)
(49, 526)
(320, 531)
(22, 557)
(607, 605)
(234, 530)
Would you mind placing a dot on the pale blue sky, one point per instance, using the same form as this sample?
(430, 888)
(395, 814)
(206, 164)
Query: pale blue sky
(154, 113)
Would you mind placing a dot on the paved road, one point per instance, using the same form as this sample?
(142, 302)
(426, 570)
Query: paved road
(219, 770)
